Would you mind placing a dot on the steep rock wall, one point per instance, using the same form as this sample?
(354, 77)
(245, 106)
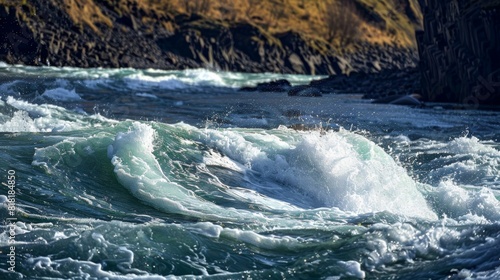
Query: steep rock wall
(460, 51)
(45, 32)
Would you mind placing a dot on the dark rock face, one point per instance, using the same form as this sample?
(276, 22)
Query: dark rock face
(272, 86)
(16, 39)
(394, 86)
(460, 51)
(47, 35)
(372, 85)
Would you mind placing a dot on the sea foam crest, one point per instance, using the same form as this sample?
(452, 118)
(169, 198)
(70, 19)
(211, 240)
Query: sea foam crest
(28, 117)
(459, 203)
(137, 169)
(139, 81)
(470, 145)
(465, 160)
(20, 122)
(61, 94)
(338, 169)
(174, 79)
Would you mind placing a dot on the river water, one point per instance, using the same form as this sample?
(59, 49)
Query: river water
(149, 174)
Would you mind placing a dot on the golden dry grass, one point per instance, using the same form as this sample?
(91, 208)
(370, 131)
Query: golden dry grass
(303, 16)
(86, 12)
(306, 17)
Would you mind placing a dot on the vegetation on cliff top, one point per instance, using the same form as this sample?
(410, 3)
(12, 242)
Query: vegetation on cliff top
(290, 36)
(388, 21)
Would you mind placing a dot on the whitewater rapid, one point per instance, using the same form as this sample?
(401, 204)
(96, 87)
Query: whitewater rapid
(149, 174)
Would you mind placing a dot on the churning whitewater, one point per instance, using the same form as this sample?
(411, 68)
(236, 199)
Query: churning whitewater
(149, 174)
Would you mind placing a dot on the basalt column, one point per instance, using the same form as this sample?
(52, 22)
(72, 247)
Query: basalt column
(460, 51)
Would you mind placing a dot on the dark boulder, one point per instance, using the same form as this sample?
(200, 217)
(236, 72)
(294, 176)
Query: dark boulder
(372, 85)
(272, 86)
(408, 100)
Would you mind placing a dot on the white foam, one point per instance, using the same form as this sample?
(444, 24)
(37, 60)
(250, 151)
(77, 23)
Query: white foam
(466, 171)
(139, 81)
(20, 122)
(61, 94)
(458, 202)
(247, 236)
(353, 269)
(39, 110)
(67, 152)
(179, 79)
(82, 269)
(203, 77)
(388, 244)
(341, 169)
(138, 170)
(207, 229)
(472, 145)
(46, 118)
(466, 160)
(216, 159)
(259, 240)
(255, 198)
(487, 275)
(147, 95)
(16, 227)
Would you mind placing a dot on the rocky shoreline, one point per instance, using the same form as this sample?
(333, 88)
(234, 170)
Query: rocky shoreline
(42, 33)
(383, 87)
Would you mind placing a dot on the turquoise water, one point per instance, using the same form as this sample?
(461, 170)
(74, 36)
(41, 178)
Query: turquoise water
(149, 174)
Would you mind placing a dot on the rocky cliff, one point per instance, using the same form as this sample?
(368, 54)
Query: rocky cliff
(125, 33)
(460, 51)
